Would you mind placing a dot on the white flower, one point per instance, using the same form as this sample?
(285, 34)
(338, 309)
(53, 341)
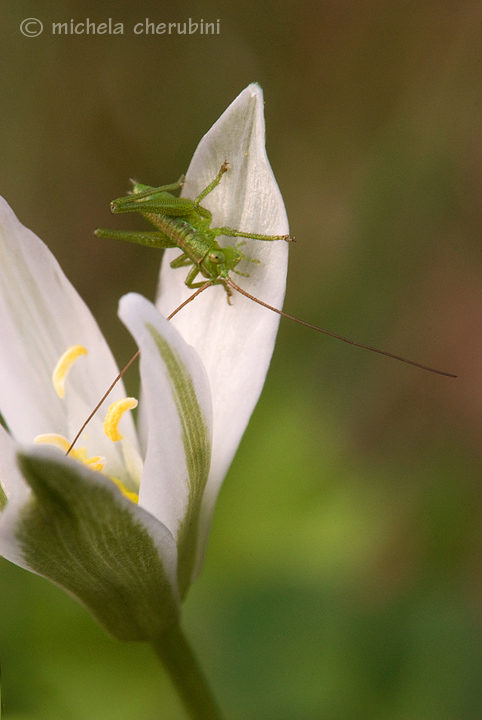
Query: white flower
(122, 525)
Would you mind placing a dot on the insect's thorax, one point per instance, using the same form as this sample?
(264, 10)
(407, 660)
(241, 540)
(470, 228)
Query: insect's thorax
(191, 234)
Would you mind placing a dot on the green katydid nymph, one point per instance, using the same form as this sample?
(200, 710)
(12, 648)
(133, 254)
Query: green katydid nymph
(185, 224)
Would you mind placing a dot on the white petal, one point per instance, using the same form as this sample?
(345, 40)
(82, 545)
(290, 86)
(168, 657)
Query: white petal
(11, 480)
(177, 401)
(41, 315)
(235, 343)
(82, 533)
(18, 494)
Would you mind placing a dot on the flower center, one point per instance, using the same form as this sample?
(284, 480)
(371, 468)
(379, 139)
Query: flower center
(111, 423)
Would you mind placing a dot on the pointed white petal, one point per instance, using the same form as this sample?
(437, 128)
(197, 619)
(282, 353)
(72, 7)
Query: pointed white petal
(235, 342)
(41, 315)
(176, 395)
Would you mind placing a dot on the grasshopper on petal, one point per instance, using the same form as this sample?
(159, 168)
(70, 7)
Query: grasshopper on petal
(186, 224)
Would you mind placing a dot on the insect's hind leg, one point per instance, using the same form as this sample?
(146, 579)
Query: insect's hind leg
(213, 184)
(141, 191)
(149, 239)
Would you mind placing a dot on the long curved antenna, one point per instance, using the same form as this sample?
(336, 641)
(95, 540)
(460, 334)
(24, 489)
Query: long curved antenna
(126, 367)
(334, 335)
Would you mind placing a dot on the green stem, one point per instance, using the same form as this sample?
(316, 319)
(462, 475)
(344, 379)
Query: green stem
(178, 659)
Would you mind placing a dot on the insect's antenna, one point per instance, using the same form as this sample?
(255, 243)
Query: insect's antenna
(334, 335)
(126, 367)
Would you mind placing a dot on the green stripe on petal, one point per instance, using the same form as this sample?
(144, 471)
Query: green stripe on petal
(197, 449)
(79, 532)
(3, 498)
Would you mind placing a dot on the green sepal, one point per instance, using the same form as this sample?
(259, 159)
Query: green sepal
(82, 534)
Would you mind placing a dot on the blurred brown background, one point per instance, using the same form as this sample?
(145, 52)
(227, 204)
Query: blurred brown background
(344, 574)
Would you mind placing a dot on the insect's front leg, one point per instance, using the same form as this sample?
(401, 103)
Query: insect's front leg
(181, 261)
(230, 232)
(245, 257)
(192, 274)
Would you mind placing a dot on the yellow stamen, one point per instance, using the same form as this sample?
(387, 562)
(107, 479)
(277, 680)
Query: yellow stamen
(132, 496)
(53, 439)
(94, 463)
(114, 414)
(63, 366)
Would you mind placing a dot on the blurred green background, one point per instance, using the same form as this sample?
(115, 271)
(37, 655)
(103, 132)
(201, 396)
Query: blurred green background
(344, 573)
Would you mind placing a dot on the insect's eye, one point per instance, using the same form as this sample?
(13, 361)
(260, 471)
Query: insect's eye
(216, 257)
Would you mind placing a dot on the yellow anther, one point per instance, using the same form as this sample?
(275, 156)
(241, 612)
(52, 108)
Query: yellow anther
(63, 366)
(114, 414)
(94, 463)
